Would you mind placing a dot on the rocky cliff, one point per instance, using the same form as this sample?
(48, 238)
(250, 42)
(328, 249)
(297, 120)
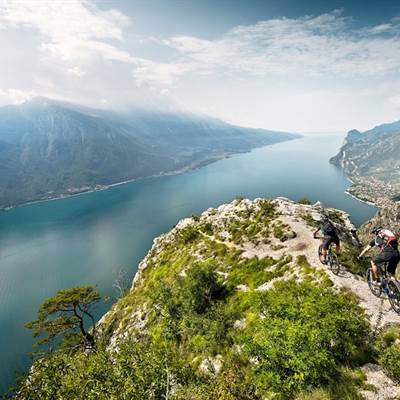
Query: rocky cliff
(234, 304)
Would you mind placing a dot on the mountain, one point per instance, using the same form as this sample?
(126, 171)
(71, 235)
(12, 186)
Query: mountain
(372, 161)
(50, 148)
(234, 304)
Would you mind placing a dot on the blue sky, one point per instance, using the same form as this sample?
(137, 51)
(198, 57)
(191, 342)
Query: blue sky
(289, 65)
(211, 18)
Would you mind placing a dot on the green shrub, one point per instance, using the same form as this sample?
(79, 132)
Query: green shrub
(305, 201)
(388, 347)
(348, 258)
(390, 361)
(201, 287)
(303, 338)
(189, 234)
(137, 371)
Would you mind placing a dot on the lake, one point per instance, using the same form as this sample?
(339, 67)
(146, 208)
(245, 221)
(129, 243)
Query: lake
(87, 239)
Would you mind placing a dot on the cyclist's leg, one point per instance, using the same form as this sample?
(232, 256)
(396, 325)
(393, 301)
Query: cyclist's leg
(375, 269)
(379, 260)
(325, 246)
(337, 243)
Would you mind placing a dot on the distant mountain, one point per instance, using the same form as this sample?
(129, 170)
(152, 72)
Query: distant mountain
(49, 148)
(373, 157)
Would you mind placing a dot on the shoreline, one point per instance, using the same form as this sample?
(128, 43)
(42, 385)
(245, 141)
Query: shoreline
(370, 203)
(99, 188)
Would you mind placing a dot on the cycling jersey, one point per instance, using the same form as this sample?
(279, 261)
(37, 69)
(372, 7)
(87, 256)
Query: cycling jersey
(383, 238)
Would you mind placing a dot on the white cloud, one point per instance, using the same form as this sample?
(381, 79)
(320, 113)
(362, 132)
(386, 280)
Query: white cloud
(282, 73)
(76, 71)
(150, 72)
(307, 46)
(15, 96)
(72, 30)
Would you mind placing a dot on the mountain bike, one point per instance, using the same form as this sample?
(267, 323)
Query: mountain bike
(331, 258)
(387, 285)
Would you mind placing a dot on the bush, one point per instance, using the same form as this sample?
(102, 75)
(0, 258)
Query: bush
(388, 347)
(137, 371)
(201, 287)
(348, 258)
(305, 201)
(390, 361)
(303, 338)
(189, 234)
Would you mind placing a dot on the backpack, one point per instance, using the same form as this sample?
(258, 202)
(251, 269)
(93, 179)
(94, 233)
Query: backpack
(386, 238)
(328, 229)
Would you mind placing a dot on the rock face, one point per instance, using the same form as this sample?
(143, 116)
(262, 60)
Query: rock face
(49, 148)
(235, 304)
(372, 161)
(292, 236)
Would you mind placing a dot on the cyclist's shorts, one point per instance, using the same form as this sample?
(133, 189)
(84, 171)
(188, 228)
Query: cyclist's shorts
(328, 240)
(388, 256)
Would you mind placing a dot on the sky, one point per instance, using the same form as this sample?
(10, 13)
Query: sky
(291, 65)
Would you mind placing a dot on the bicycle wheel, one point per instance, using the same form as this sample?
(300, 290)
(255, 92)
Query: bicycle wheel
(320, 254)
(394, 296)
(334, 264)
(374, 288)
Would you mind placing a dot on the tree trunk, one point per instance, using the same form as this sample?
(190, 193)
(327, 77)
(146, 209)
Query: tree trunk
(87, 337)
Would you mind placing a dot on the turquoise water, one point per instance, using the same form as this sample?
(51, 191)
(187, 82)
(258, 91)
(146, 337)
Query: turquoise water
(87, 239)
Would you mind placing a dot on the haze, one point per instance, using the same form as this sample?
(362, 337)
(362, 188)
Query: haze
(285, 65)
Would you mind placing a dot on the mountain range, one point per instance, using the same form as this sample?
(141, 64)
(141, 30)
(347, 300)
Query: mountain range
(50, 148)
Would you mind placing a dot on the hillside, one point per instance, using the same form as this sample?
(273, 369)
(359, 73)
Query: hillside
(234, 304)
(49, 148)
(372, 161)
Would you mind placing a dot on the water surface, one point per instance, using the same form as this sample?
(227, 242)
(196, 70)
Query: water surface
(87, 239)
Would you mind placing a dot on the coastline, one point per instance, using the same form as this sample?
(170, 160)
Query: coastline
(99, 188)
(191, 167)
(370, 203)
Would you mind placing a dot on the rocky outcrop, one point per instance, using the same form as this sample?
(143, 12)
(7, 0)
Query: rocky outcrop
(237, 299)
(292, 235)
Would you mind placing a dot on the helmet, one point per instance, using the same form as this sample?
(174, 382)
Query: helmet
(324, 216)
(376, 229)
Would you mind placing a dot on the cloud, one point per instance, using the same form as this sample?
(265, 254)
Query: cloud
(71, 30)
(150, 72)
(309, 46)
(15, 96)
(283, 73)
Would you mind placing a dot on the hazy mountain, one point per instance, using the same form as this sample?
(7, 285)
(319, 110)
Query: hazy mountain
(48, 148)
(373, 156)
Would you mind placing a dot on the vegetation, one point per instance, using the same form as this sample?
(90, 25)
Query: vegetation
(63, 317)
(305, 201)
(388, 347)
(205, 322)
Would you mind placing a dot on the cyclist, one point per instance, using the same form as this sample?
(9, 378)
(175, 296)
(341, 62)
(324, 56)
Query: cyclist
(330, 235)
(387, 242)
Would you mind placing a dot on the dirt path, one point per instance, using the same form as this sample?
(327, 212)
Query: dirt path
(378, 310)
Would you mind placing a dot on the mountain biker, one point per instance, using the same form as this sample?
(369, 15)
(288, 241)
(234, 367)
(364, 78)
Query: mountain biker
(387, 242)
(330, 235)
